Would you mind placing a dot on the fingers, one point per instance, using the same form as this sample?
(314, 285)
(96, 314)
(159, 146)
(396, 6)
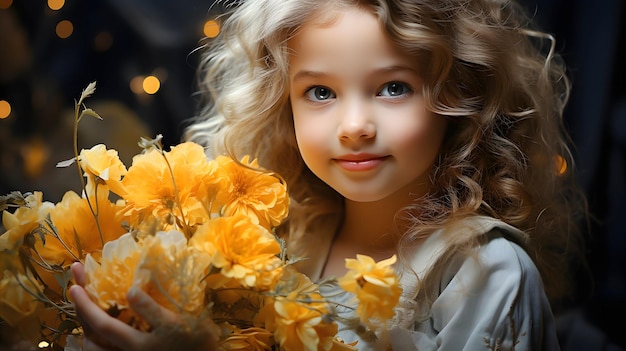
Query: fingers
(173, 331)
(148, 309)
(103, 326)
(78, 272)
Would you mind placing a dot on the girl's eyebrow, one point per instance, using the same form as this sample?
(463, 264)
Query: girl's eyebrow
(397, 68)
(382, 70)
(308, 74)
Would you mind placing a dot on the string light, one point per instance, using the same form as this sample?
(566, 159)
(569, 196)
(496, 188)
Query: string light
(5, 109)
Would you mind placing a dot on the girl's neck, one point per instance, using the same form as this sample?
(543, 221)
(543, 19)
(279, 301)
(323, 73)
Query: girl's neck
(369, 226)
(368, 229)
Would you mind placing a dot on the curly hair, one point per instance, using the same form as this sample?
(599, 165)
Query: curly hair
(497, 80)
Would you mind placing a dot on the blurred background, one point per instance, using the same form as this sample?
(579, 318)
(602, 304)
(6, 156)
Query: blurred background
(142, 53)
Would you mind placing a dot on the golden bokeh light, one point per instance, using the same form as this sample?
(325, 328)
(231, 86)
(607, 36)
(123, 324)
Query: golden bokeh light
(43, 344)
(560, 164)
(5, 4)
(56, 4)
(211, 28)
(136, 84)
(64, 29)
(151, 85)
(5, 109)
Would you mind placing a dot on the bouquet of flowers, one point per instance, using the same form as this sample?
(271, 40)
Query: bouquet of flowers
(196, 235)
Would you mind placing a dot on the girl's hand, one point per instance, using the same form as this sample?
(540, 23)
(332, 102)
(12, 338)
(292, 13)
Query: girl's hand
(170, 332)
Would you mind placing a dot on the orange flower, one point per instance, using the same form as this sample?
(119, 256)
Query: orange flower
(301, 326)
(252, 192)
(78, 231)
(23, 221)
(100, 164)
(149, 189)
(241, 249)
(375, 286)
(172, 273)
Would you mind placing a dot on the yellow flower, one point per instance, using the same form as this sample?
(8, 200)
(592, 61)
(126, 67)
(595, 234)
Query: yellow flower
(252, 192)
(100, 164)
(149, 189)
(375, 285)
(109, 281)
(16, 304)
(249, 339)
(23, 221)
(301, 326)
(241, 249)
(78, 231)
(172, 273)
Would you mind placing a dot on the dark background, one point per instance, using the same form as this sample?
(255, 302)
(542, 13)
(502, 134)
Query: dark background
(115, 41)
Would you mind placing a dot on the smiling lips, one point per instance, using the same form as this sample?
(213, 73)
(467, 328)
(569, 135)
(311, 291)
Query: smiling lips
(359, 162)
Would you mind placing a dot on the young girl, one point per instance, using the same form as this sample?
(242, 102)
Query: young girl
(428, 129)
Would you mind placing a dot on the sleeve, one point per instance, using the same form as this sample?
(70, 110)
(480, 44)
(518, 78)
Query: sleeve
(494, 303)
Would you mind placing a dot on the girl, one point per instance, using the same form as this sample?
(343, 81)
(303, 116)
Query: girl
(430, 129)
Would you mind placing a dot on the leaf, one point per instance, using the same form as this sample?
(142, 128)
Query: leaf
(67, 326)
(149, 144)
(66, 163)
(87, 92)
(90, 112)
(13, 199)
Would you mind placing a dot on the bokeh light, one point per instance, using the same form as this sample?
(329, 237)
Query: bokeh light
(560, 164)
(151, 85)
(43, 344)
(5, 4)
(5, 109)
(211, 28)
(64, 29)
(56, 4)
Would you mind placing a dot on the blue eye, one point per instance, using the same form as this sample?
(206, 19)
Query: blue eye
(319, 93)
(395, 89)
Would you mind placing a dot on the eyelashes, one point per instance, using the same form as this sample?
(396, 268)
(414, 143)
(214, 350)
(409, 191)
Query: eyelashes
(393, 89)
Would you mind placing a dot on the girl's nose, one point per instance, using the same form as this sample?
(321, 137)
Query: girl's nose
(356, 122)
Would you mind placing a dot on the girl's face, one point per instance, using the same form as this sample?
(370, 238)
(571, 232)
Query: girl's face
(359, 115)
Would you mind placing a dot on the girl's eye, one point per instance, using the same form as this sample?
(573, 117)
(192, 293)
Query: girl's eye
(395, 89)
(319, 93)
